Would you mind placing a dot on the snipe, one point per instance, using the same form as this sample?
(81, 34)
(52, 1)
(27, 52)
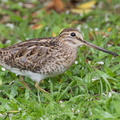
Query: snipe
(45, 57)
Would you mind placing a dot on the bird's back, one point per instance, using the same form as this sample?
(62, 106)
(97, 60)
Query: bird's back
(44, 56)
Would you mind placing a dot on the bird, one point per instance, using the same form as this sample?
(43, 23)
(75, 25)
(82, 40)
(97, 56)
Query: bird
(43, 58)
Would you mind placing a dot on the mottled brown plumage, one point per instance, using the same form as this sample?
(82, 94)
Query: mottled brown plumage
(45, 57)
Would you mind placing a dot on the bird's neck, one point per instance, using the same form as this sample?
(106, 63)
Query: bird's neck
(70, 54)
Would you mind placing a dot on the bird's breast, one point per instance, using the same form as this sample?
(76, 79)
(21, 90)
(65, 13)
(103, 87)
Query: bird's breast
(60, 61)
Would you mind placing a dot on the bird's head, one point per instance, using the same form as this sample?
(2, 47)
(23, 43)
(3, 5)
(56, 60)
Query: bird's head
(73, 37)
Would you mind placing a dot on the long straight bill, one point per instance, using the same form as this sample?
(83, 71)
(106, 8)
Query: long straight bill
(99, 48)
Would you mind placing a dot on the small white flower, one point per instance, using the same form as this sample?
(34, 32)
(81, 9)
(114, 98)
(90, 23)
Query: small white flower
(41, 119)
(117, 6)
(46, 28)
(73, 109)
(34, 1)
(104, 36)
(10, 116)
(91, 29)
(79, 27)
(10, 25)
(89, 62)
(104, 94)
(96, 29)
(78, 111)
(109, 45)
(3, 69)
(16, 74)
(81, 14)
(106, 17)
(20, 4)
(91, 113)
(60, 101)
(19, 109)
(76, 62)
(27, 38)
(117, 27)
(67, 12)
(62, 105)
(94, 79)
(8, 41)
(94, 6)
(52, 116)
(11, 82)
(86, 26)
(4, 0)
(19, 41)
(1, 115)
(100, 63)
(111, 93)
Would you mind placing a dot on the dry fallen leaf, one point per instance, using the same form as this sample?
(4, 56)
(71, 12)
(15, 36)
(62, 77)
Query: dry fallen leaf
(80, 10)
(109, 1)
(57, 5)
(109, 29)
(54, 34)
(84, 8)
(87, 5)
(37, 26)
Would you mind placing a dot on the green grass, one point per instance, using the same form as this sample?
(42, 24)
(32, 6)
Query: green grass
(88, 90)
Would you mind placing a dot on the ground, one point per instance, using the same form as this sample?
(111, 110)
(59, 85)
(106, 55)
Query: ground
(90, 89)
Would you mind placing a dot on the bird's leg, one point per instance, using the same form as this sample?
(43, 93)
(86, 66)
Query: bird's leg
(23, 82)
(38, 87)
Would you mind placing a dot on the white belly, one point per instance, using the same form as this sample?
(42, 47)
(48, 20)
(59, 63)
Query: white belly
(34, 76)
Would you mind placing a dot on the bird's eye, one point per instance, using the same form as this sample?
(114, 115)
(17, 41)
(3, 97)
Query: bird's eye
(73, 34)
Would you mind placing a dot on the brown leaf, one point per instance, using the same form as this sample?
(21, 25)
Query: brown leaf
(54, 34)
(84, 7)
(80, 10)
(37, 26)
(56, 5)
(87, 5)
